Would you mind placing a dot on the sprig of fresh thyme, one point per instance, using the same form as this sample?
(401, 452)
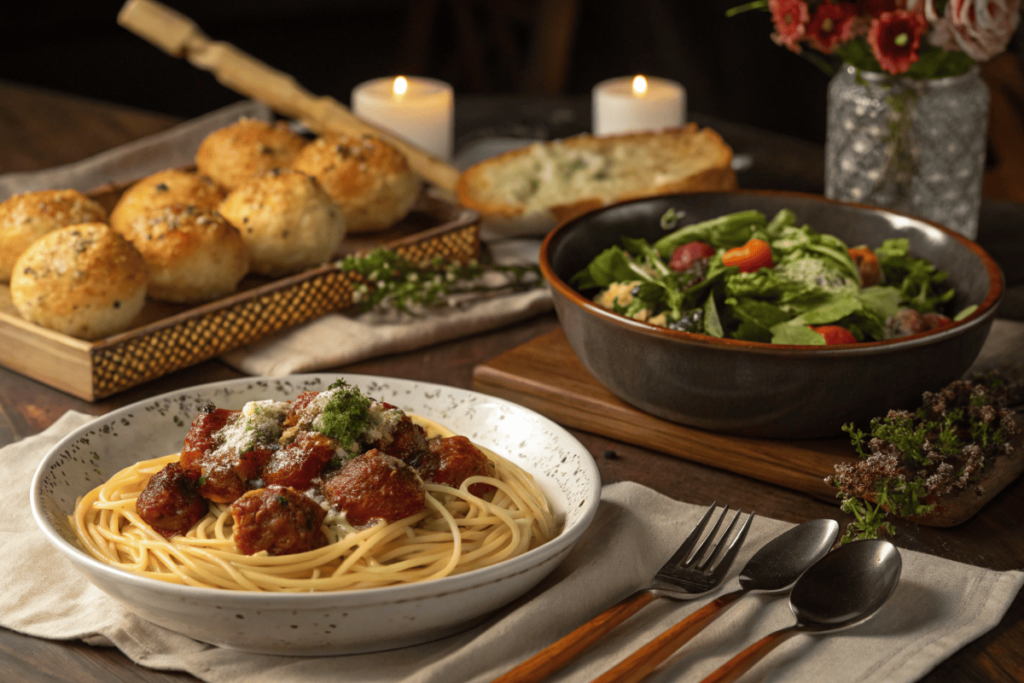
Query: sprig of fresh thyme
(910, 459)
(385, 279)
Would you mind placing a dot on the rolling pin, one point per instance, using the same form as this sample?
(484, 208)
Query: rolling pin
(179, 36)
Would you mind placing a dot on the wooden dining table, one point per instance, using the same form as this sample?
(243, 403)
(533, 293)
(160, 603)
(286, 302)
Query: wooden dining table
(41, 129)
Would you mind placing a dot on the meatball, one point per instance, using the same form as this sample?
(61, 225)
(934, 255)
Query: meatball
(200, 437)
(454, 459)
(171, 502)
(375, 486)
(295, 413)
(277, 519)
(223, 455)
(298, 463)
(407, 442)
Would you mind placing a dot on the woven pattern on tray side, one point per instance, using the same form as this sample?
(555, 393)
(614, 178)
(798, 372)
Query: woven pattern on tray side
(121, 365)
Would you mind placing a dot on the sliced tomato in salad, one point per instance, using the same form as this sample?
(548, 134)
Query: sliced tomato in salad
(751, 257)
(834, 334)
(687, 254)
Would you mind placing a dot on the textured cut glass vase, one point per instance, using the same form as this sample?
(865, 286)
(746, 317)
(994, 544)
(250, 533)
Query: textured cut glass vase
(915, 146)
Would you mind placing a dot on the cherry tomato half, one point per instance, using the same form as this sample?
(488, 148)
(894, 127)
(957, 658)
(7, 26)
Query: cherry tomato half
(867, 264)
(685, 255)
(753, 255)
(834, 334)
(936, 320)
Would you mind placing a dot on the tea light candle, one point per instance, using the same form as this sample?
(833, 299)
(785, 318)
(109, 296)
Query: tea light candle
(419, 110)
(622, 105)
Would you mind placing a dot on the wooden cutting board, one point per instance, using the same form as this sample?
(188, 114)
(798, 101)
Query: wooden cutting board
(546, 376)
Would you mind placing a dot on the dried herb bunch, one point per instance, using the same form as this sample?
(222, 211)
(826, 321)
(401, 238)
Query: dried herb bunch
(908, 460)
(386, 279)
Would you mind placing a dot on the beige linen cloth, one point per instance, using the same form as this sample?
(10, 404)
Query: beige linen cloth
(938, 607)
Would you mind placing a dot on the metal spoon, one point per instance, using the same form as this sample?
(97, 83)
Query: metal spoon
(773, 568)
(842, 590)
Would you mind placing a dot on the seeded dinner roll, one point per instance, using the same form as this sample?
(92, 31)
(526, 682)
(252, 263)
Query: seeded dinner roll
(24, 218)
(367, 177)
(154, 193)
(84, 280)
(286, 220)
(192, 254)
(248, 148)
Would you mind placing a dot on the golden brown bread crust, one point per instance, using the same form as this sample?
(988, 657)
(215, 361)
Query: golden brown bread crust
(369, 179)
(286, 220)
(26, 217)
(160, 190)
(626, 166)
(84, 280)
(192, 255)
(246, 149)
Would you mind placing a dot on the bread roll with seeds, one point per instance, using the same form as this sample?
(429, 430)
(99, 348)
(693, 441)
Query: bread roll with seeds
(246, 149)
(192, 255)
(367, 177)
(26, 217)
(155, 192)
(286, 220)
(84, 280)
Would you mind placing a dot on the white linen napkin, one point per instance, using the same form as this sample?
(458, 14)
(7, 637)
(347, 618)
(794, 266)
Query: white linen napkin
(938, 607)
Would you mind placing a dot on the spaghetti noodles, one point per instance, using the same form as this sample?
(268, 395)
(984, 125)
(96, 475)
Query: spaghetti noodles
(455, 532)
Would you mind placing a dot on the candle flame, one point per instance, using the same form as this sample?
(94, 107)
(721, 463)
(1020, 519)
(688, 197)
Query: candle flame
(639, 85)
(401, 85)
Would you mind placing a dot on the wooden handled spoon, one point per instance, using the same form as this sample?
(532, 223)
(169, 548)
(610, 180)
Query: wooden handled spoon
(773, 568)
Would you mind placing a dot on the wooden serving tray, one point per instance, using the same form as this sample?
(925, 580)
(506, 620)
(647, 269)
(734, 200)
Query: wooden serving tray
(171, 337)
(546, 376)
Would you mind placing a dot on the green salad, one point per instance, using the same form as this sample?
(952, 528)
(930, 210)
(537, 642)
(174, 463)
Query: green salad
(744, 276)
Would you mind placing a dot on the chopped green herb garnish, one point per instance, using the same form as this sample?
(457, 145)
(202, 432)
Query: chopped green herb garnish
(345, 416)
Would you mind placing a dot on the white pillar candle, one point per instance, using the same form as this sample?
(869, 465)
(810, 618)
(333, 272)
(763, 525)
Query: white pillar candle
(418, 110)
(623, 105)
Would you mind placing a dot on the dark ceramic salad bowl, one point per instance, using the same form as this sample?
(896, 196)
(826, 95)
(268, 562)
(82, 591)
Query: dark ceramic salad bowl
(757, 389)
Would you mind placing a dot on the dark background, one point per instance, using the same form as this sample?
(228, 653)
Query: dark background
(730, 67)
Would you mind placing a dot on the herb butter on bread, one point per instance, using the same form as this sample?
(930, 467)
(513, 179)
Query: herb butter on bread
(558, 179)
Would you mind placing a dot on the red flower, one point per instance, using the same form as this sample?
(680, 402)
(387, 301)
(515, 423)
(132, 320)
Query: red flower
(895, 38)
(831, 25)
(790, 18)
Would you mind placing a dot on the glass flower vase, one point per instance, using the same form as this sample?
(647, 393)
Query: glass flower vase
(912, 145)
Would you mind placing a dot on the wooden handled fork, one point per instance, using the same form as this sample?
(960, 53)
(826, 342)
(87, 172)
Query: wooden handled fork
(687, 575)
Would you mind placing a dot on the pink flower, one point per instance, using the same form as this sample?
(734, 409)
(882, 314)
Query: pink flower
(831, 25)
(980, 28)
(790, 18)
(895, 38)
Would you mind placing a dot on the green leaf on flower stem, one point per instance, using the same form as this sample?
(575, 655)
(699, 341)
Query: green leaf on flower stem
(932, 62)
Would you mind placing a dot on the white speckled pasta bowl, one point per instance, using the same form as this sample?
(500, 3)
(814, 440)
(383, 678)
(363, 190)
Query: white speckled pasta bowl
(325, 623)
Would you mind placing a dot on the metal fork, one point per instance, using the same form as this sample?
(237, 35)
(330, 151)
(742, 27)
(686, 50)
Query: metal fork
(687, 575)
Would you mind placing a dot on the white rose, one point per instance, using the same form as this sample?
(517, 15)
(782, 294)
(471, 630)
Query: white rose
(980, 28)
